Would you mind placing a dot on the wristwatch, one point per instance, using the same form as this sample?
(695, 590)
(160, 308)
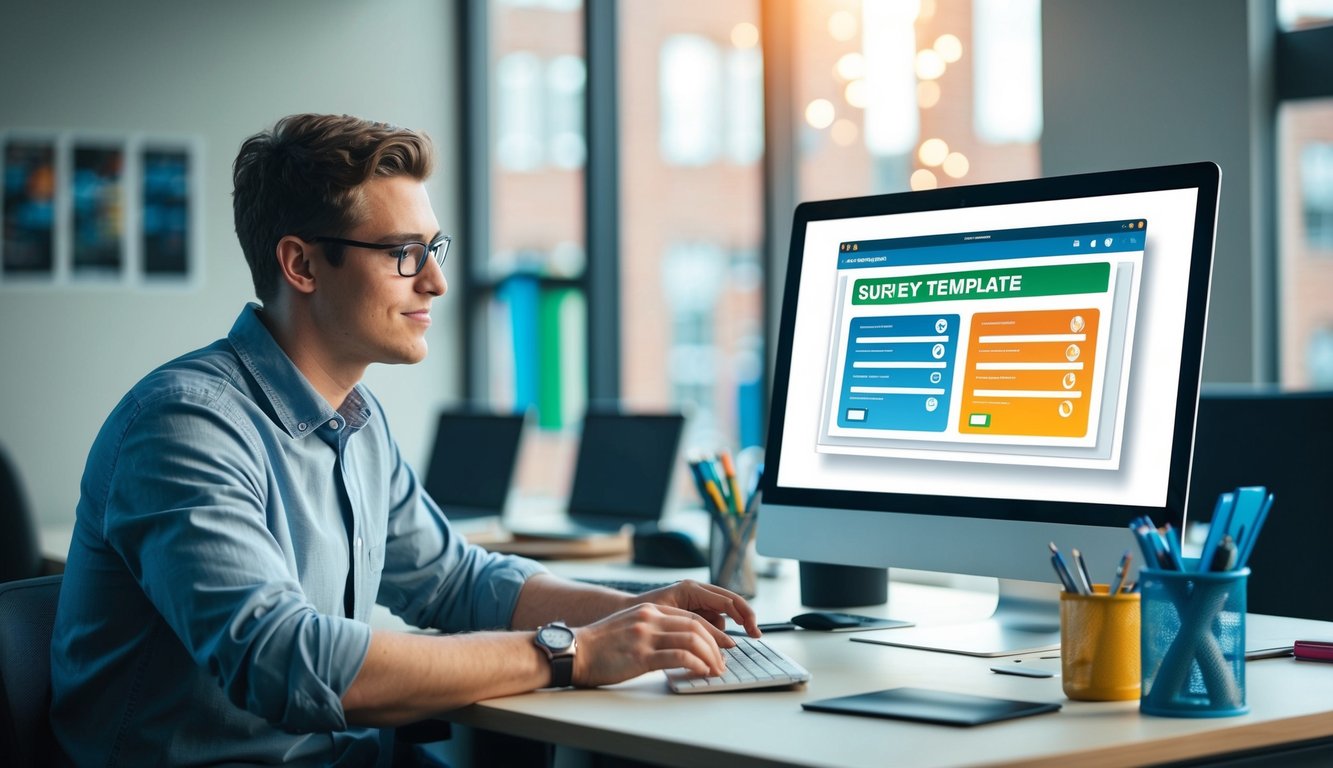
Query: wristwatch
(557, 641)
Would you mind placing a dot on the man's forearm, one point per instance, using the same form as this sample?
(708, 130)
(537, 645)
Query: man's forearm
(546, 598)
(408, 677)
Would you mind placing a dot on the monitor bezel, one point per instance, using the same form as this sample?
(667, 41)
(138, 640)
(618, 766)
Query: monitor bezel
(1204, 177)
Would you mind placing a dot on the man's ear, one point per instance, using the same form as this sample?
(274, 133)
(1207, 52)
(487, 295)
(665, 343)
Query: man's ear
(294, 257)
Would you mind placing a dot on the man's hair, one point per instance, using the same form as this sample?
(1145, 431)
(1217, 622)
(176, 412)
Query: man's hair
(304, 178)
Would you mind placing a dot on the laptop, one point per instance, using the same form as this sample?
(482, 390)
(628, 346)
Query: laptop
(622, 475)
(472, 466)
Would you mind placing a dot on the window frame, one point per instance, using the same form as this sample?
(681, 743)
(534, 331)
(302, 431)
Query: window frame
(600, 279)
(1302, 69)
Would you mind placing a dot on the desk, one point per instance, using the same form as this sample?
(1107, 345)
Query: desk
(1290, 702)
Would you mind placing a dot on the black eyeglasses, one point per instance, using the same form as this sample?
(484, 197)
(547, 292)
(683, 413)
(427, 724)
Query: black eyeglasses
(411, 256)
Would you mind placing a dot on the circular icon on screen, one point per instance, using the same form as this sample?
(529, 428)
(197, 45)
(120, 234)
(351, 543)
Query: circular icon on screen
(941, 325)
(1069, 381)
(1076, 323)
(937, 351)
(1066, 409)
(1071, 352)
(932, 404)
(935, 377)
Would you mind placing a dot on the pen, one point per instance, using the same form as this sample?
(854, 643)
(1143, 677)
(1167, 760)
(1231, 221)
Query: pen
(1247, 545)
(716, 496)
(1173, 547)
(1224, 559)
(700, 480)
(711, 475)
(1120, 571)
(737, 501)
(1085, 579)
(1062, 570)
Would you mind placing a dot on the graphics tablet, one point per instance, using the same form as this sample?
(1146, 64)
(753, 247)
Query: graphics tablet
(928, 706)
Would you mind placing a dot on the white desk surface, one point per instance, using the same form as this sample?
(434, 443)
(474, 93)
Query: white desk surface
(1290, 701)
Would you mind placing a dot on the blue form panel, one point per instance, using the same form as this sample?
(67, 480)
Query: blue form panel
(902, 368)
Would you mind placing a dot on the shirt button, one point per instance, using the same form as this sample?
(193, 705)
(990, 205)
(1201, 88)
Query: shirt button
(301, 427)
(358, 543)
(333, 423)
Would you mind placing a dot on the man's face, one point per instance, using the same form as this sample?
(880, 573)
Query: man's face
(365, 311)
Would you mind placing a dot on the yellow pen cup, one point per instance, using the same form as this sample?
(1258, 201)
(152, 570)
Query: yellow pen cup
(1099, 645)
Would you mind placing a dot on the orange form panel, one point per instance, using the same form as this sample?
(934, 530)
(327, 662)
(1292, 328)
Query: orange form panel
(1030, 373)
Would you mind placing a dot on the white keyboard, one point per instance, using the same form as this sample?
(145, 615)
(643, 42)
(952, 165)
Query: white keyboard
(751, 664)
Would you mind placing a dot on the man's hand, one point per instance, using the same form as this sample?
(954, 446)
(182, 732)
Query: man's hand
(676, 626)
(710, 602)
(646, 637)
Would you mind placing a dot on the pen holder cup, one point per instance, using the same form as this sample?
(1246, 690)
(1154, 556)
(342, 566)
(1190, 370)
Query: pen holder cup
(1099, 645)
(1194, 643)
(731, 554)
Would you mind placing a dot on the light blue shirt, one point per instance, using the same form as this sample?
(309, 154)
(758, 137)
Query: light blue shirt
(232, 533)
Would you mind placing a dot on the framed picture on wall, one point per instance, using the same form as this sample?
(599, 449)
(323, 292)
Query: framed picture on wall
(99, 210)
(98, 216)
(165, 209)
(27, 241)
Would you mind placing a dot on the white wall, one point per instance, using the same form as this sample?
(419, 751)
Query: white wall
(219, 71)
(1152, 82)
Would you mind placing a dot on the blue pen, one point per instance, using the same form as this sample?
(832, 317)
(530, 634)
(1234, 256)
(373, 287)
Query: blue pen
(1085, 579)
(1140, 532)
(1247, 546)
(1062, 570)
(1120, 571)
(1217, 527)
(1150, 541)
(1173, 547)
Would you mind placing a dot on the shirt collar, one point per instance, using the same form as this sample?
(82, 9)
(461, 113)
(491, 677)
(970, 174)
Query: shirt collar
(298, 407)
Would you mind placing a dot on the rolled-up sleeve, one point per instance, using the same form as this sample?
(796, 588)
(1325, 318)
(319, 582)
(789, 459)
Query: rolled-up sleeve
(433, 578)
(189, 510)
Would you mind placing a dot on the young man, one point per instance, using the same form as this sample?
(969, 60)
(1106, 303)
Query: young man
(244, 505)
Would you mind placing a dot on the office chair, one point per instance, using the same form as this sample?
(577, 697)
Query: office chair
(20, 554)
(28, 608)
(1280, 440)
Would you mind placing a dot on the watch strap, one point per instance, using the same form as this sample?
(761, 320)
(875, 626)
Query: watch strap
(562, 670)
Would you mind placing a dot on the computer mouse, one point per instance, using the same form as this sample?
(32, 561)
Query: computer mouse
(667, 549)
(827, 621)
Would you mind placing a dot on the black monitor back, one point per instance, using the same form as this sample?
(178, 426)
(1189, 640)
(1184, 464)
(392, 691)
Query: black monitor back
(472, 462)
(624, 467)
(1281, 440)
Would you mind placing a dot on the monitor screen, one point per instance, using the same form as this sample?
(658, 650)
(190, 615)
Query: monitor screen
(624, 467)
(966, 374)
(472, 462)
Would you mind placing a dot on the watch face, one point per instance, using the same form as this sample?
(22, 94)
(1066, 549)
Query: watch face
(556, 638)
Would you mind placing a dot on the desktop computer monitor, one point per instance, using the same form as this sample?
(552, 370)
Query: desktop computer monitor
(965, 375)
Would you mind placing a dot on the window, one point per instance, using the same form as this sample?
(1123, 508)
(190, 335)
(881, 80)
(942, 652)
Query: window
(691, 141)
(1305, 193)
(653, 295)
(914, 95)
(680, 102)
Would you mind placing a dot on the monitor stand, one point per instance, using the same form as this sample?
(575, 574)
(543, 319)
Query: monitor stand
(1026, 620)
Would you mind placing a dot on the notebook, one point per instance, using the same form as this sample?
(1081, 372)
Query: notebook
(622, 474)
(472, 465)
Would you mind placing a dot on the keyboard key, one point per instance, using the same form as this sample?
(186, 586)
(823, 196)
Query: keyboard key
(751, 664)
